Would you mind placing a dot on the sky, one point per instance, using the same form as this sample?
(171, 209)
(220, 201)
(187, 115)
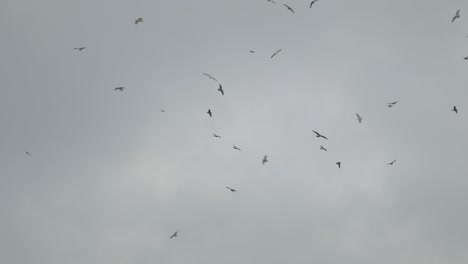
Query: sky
(110, 177)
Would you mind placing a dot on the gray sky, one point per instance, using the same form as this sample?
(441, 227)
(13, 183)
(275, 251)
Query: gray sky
(111, 177)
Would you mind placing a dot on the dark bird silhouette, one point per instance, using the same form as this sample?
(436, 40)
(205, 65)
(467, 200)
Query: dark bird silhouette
(455, 109)
(465, 58)
(174, 235)
(392, 104)
(457, 15)
(312, 3)
(276, 53)
(265, 159)
(391, 163)
(119, 88)
(80, 48)
(221, 89)
(27, 153)
(271, 1)
(251, 51)
(289, 8)
(211, 77)
(231, 189)
(216, 136)
(209, 112)
(359, 118)
(235, 147)
(139, 20)
(339, 164)
(319, 135)
(322, 148)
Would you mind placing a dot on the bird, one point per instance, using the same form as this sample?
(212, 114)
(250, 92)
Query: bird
(235, 147)
(221, 89)
(339, 164)
(391, 163)
(392, 104)
(138, 20)
(319, 135)
(271, 1)
(119, 88)
(251, 51)
(174, 235)
(313, 2)
(209, 112)
(27, 153)
(216, 136)
(211, 77)
(457, 15)
(80, 48)
(276, 53)
(289, 8)
(265, 159)
(359, 118)
(455, 109)
(321, 147)
(231, 189)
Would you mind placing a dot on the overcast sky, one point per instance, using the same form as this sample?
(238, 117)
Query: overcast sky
(111, 177)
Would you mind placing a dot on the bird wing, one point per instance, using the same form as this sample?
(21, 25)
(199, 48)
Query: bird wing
(324, 137)
(317, 133)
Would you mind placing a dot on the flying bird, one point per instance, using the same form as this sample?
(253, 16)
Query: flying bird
(457, 15)
(174, 235)
(359, 118)
(392, 104)
(391, 163)
(276, 53)
(138, 21)
(322, 148)
(289, 8)
(339, 164)
(221, 89)
(80, 48)
(235, 147)
(313, 2)
(231, 189)
(119, 88)
(455, 109)
(27, 153)
(209, 112)
(216, 136)
(251, 51)
(319, 135)
(271, 1)
(265, 159)
(211, 77)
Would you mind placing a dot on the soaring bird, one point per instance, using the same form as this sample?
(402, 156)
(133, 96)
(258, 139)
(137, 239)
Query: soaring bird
(209, 112)
(276, 53)
(80, 48)
(119, 88)
(391, 163)
(265, 159)
(457, 15)
(271, 1)
(359, 118)
(322, 148)
(455, 109)
(339, 164)
(313, 2)
(211, 77)
(174, 235)
(138, 20)
(289, 8)
(319, 135)
(235, 147)
(392, 104)
(216, 136)
(221, 89)
(231, 189)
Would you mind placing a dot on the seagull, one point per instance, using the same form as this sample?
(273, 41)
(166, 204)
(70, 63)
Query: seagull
(392, 104)
(80, 48)
(359, 118)
(216, 136)
(313, 2)
(391, 163)
(235, 147)
(174, 235)
(211, 77)
(274, 54)
(321, 147)
(457, 15)
(339, 164)
(27, 153)
(455, 109)
(289, 8)
(138, 20)
(319, 135)
(209, 112)
(265, 159)
(119, 88)
(221, 89)
(231, 189)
